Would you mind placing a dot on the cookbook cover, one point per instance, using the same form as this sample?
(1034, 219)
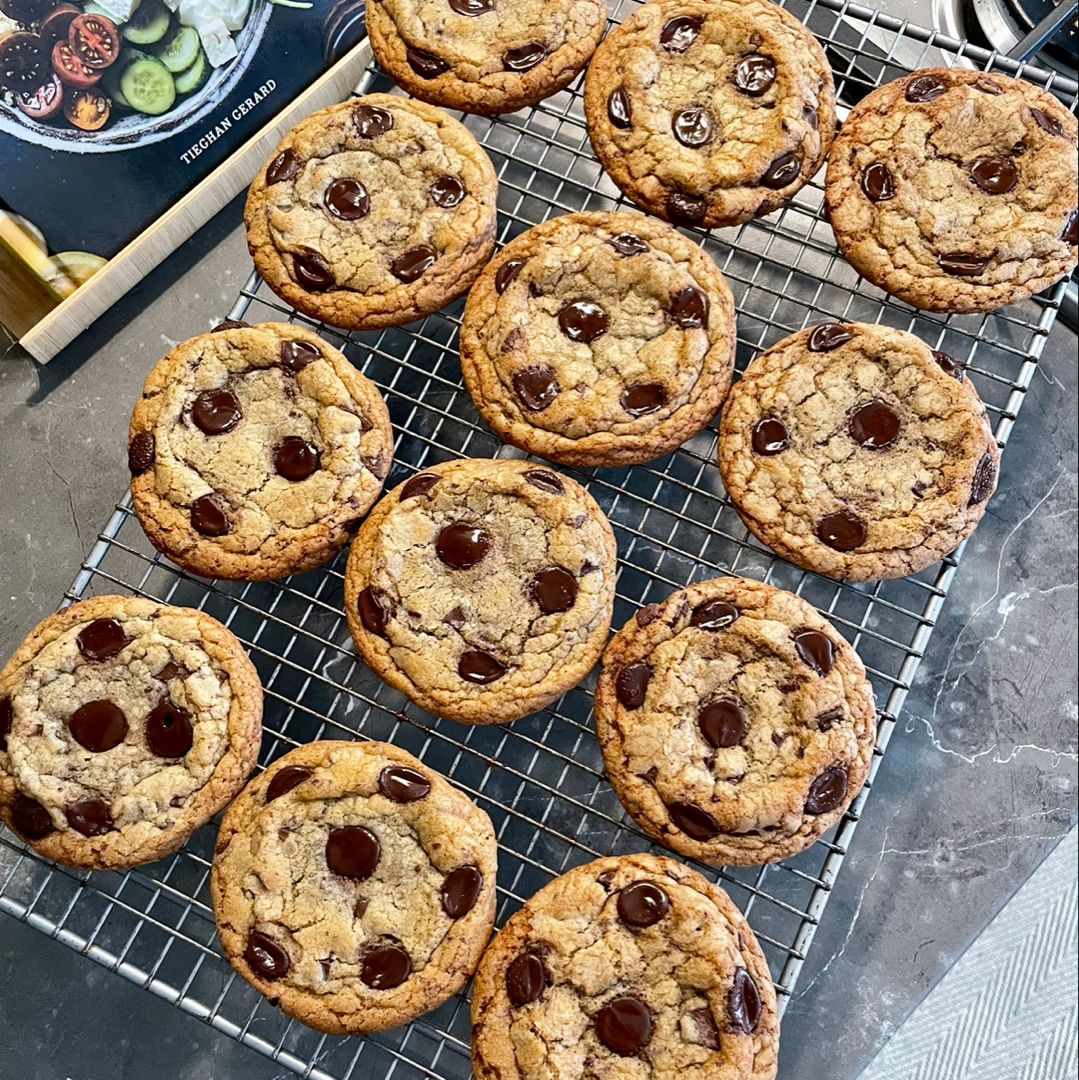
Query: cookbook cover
(112, 112)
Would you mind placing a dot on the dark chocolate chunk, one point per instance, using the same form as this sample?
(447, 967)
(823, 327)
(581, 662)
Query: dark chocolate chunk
(827, 791)
(874, 425)
(618, 110)
(583, 320)
(297, 354)
(283, 167)
(878, 183)
(414, 263)
(208, 516)
(296, 459)
(507, 274)
(526, 978)
(545, 481)
(949, 364)
(1070, 234)
(230, 324)
(265, 957)
(685, 209)
(628, 244)
(7, 717)
(168, 730)
(284, 780)
(642, 398)
(699, 1028)
(689, 309)
(419, 484)
(477, 666)
(843, 531)
(830, 717)
(624, 1025)
(995, 175)
(347, 199)
(461, 546)
(963, 263)
(1047, 123)
(536, 388)
(744, 1002)
(524, 57)
(642, 904)
(696, 823)
(353, 852)
(402, 784)
(925, 88)
(692, 127)
(770, 436)
(91, 817)
(472, 7)
(754, 74)
(722, 723)
(447, 192)
(371, 121)
(811, 116)
(714, 615)
(648, 615)
(140, 452)
(216, 411)
(783, 171)
(312, 272)
(372, 613)
(679, 33)
(554, 590)
(985, 477)
(101, 639)
(829, 336)
(815, 649)
(98, 725)
(29, 818)
(425, 64)
(631, 684)
(460, 891)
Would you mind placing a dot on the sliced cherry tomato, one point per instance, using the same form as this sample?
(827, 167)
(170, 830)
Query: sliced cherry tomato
(44, 102)
(87, 109)
(54, 26)
(22, 62)
(94, 40)
(70, 68)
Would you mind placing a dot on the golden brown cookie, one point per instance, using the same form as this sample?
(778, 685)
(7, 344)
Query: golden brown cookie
(354, 886)
(599, 339)
(372, 213)
(124, 726)
(255, 450)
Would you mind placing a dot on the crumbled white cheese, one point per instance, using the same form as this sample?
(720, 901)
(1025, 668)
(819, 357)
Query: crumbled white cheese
(233, 13)
(118, 10)
(216, 41)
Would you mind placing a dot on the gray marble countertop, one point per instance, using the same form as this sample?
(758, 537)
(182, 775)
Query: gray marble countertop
(979, 782)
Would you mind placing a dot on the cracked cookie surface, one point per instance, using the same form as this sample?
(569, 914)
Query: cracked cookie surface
(482, 589)
(956, 190)
(373, 213)
(124, 726)
(856, 451)
(481, 56)
(354, 886)
(737, 725)
(254, 450)
(627, 967)
(599, 339)
(710, 112)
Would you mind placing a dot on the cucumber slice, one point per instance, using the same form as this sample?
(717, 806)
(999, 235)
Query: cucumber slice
(110, 83)
(148, 86)
(194, 76)
(180, 49)
(149, 24)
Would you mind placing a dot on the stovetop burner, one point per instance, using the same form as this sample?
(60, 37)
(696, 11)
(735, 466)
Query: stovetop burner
(1003, 24)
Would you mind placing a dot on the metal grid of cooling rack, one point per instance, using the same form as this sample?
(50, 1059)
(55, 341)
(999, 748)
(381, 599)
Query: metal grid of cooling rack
(541, 779)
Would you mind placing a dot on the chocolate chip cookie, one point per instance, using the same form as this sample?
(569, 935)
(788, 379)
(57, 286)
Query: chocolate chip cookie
(483, 57)
(354, 886)
(599, 339)
(955, 190)
(255, 450)
(736, 724)
(482, 589)
(857, 451)
(710, 112)
(635, 966)
(124, 726)
(373, 213)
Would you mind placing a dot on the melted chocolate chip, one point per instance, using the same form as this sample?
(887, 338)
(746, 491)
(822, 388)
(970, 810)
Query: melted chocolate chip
(101, 639)
(98, 725)
(963, 263)
(447, 192)
(624, 1025)
(401, 784)
(754, 74)
(477, 666)
(744, 1002)
(371, 121)
(949, 365)
(770, 436)
(524, 57)
(284, 780)
(714, 615)
(425, 64)
(878, 183)
(1070, 233)
(29, 818)
(216, 411)
(692, 127)
(874, 425)
(536, 388)
(526, 978)
(455, 617)
(297, 354)
(642, 904)
(830, 717)
(783, 171)
(413, 263)
(684, 208)
(985, 476)
(265, 957)
(642, 398)
(618, 110)
(606, 879)
(925, 88)
(1047, 123)
(472, 7)
(283, 167)
(647, 615)
(140, 452)
(545, 481)
(461, 890)
(827, 791)
(995, 175)
(312, 272)
(7, 717)
(230, 324)
(507, 274)
(698, 1027)
(628, 244)
(815, 649)
(208, 516)
(829, 336)
(988, 87)
(372, 613)
(812, 118)
(679, 33)
(296, 459)
(419, 484)
(843, 531)
(722, 723)
(554, 590)
(461, 546)
(353, 852)
(631, 684)
(347, 199)
(583, 320)
(696, 823)
(689, 309)
(168, 730)
(91, 817)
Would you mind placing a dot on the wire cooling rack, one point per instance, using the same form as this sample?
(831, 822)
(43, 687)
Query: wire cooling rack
(541, 779)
